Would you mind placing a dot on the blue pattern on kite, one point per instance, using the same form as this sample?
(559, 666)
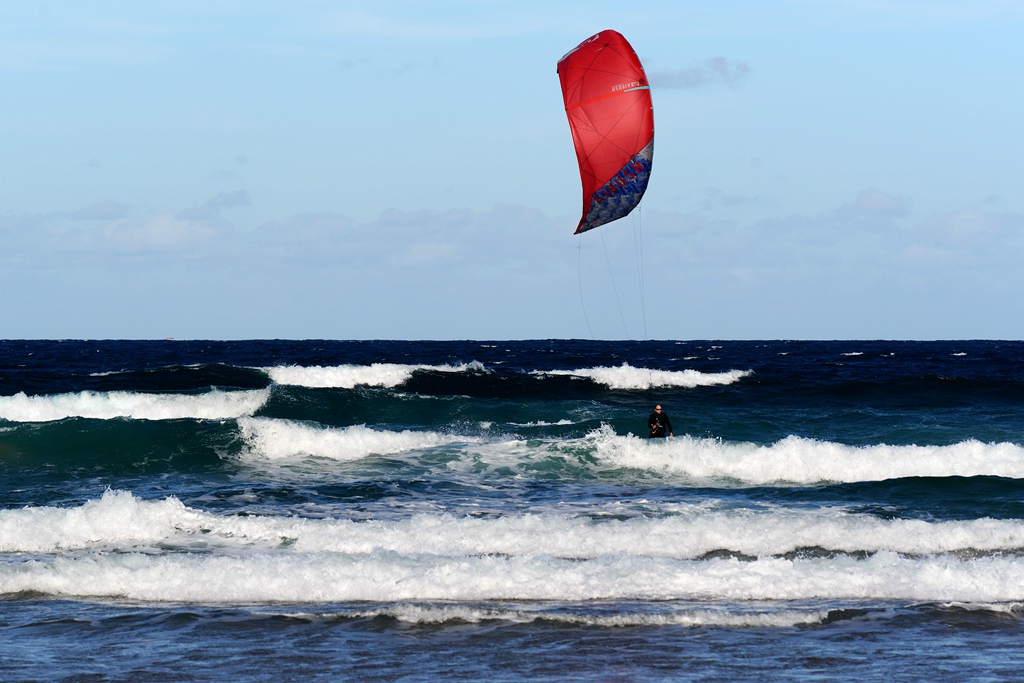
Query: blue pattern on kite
(622, 193)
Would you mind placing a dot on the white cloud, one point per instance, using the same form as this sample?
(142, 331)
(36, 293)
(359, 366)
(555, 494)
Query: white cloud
(873, 202)
(717, 198)
(872, 233)
(713, 71)
(229, 200)
(972, 228)
(969, 238)
(100, 211)
(159, 233)
(515, 243)
(513, 270)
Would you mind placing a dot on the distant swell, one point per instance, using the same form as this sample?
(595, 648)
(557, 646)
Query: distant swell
(386, 375)
(212, 405)
(626, 376)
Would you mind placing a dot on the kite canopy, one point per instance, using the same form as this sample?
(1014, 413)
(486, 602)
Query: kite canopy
(608, 102)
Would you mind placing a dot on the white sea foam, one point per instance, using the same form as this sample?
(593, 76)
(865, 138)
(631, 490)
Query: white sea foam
(276, 439)
(117, 520)
(793, 460)
(120, 546)
(386, 375)
(212, 405)
(805, 461)
(121, 521)
(438, 614)
(626, 376)
(382, 576)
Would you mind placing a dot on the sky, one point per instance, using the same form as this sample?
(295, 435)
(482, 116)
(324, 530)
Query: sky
(823, 169)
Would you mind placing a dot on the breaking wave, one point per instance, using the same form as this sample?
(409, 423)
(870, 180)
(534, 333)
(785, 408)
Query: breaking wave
(276, 439)
(626, 376)
(212, 405)
(798, 460)
(124, 522)
(385, 375)
(121, 546)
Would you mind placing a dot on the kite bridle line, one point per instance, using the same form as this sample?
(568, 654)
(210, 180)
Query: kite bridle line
(638, 247)
(638, 244)
(615, 289)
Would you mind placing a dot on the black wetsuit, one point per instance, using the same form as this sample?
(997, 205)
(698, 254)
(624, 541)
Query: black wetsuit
(659, 425)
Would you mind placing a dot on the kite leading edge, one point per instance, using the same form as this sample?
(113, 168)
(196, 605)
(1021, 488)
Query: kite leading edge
(608, 103)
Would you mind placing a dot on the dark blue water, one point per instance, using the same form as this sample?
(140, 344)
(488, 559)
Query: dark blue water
(491, 510)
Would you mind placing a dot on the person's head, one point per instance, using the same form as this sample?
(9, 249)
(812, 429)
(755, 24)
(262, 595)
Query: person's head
(657, 409)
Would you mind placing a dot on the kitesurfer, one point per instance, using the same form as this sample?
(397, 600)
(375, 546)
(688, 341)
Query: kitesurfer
(659, 424)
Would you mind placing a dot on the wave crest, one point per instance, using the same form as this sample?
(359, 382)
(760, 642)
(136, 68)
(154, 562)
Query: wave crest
(105, 405)
(122, 521)
(798, 460)
(277, 439)
(385, 375)
(628, 377)
(121, 546)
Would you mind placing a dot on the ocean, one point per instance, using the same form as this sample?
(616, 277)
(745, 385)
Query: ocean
(492, 511)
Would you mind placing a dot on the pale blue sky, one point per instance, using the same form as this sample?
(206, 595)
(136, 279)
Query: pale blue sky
(823, 169)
